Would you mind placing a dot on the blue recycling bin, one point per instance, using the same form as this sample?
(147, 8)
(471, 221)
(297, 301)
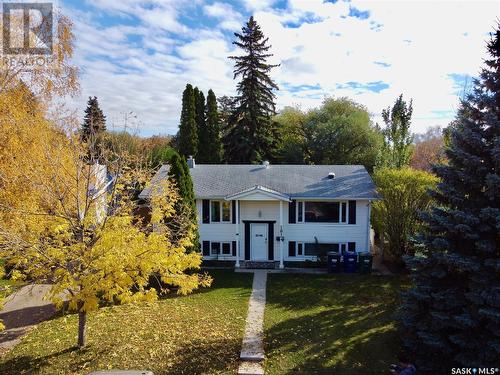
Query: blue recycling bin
(350, 262)
(334, 263)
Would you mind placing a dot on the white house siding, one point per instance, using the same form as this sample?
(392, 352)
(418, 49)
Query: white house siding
(266, 210)
(329, 233)
(215, 232)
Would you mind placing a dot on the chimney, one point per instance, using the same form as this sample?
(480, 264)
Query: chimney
(331, 176)
(265, 164)
(191, 162)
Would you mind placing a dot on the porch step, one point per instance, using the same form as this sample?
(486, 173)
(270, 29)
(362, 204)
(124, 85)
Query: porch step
(269, 265)
(250, 368)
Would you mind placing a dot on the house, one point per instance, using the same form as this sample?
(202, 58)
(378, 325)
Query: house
(279, 213)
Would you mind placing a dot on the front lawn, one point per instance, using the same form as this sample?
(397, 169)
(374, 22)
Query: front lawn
(325, 324)
(199, 333)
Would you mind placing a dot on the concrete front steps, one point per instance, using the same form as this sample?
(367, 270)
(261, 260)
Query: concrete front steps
(250, 368)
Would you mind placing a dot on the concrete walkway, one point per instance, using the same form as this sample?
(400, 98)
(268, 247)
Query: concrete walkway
(252, 351)
(22, 310)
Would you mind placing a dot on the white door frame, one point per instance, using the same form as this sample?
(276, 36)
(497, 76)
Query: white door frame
(260, 254)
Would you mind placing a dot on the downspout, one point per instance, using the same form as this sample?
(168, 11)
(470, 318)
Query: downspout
(368, 227)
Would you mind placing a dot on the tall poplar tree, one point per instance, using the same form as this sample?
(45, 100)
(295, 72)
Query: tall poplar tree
(397, 149)
(188, 131)
(213, 129)
(252, 134)
(203, 153)
(452, 313)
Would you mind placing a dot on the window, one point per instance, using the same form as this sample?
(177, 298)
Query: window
(220, 248)
(215, 211)
(215, 248)
(344, 212)
(226, 211)
(299, 248)
(343, 248)
(226, 248)
(220, 211)
(300, 212)
(322, 212)
(321, 249)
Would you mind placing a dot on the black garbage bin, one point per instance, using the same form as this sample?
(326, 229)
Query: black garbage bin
(365, 262)
(334, 263)
(350, 262)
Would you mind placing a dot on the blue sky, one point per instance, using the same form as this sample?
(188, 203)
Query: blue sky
(136, 56)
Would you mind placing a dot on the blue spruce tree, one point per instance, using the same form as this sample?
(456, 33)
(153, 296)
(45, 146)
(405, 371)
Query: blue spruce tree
(451, 314)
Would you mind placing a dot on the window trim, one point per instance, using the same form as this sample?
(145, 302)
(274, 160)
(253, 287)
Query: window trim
(221, 247)
(301, 206)
(221, 204)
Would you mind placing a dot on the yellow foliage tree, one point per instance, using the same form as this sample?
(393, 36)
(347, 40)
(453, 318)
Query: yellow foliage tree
(405, 194)
(73, 225)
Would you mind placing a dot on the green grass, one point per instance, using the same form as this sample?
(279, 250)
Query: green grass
(326, 324)
(199, 333)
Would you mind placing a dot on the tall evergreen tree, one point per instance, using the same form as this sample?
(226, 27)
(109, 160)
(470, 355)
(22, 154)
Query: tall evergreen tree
(213, 129)
(225, 108)
(203, 153)
(179, 174)
(94, 121)
(188, 131)
(252, 135)
(93, 128)
(397, 149)
(452, 313)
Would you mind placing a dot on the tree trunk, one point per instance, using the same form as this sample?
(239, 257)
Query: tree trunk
(82, 321)
(382, 240)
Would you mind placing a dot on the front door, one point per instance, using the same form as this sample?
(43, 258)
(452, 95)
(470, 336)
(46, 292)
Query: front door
(258, 241)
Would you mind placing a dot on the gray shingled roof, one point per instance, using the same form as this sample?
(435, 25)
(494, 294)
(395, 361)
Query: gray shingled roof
(297, 181)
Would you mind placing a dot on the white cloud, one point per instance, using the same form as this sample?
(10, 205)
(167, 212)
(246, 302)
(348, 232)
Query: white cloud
(316, 42)
(257, 5)
(225, 13)
(339, 49)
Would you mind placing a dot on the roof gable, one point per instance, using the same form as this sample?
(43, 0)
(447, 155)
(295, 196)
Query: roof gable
(259, 193)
